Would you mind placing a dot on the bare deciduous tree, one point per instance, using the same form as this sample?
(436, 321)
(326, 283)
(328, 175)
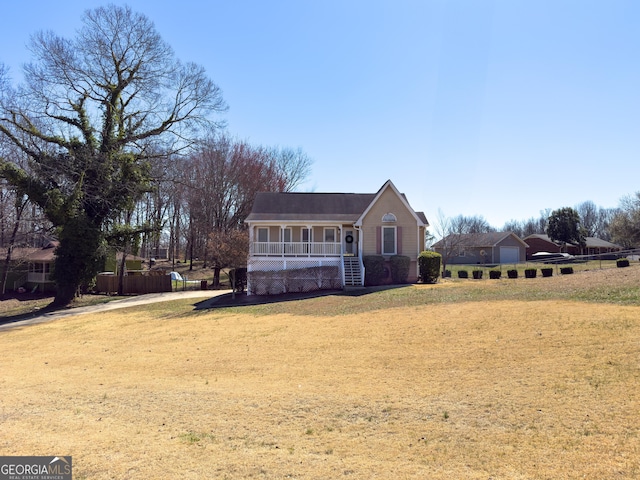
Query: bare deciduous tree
(230, 250)
(625, 224)
(595, 220)
(453, 234)
(293, 166)
(222, 179)
(19, 204)
(88, 110)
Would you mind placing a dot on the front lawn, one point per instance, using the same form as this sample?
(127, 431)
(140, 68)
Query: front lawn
(460, 379)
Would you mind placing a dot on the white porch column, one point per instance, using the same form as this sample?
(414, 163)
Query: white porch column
(360, 241)
(282, 243)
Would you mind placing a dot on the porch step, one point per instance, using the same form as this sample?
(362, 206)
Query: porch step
(352, 271)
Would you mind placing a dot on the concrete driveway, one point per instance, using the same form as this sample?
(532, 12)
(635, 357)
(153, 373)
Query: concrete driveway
(104, 307)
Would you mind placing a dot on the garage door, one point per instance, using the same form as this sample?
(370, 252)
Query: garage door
(509, 254)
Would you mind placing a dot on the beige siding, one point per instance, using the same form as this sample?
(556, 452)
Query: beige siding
(390, 203)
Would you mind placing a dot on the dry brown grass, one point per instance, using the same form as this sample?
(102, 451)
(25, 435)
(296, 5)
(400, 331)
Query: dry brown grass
(498, 389)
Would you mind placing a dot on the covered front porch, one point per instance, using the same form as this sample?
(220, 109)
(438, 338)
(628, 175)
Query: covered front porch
(39, 276)
(303, 241)
(290, 257)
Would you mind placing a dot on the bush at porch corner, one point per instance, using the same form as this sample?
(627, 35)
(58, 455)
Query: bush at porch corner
(400, 265)
(374, 271)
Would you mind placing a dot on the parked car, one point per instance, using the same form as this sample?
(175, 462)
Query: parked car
(547, 257)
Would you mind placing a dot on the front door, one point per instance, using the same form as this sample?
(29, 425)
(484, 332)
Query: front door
(350, 244)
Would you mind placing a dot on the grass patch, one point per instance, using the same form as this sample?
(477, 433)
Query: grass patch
(526, 378)
(192, 438)
(17, 304)
(613, 286)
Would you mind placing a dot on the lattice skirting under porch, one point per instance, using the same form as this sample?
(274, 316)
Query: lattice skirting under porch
(268, 277)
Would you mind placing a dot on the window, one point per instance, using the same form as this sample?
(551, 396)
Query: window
(388, 240)
(330, 235)
(389, 217)
(306, 235)
(286, 235)
(263, 235)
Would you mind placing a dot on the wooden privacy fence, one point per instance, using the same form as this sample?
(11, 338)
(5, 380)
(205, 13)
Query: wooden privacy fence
(134, 284)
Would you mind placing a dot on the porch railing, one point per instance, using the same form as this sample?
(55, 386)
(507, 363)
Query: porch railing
(38, 277)
(296, 249)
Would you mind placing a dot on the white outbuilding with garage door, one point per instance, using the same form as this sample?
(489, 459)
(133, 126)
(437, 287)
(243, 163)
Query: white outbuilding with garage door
(509, 255)
(482, 248)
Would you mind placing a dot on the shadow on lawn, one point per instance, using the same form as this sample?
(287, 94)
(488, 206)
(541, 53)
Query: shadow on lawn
(26, 297)
(243, 300)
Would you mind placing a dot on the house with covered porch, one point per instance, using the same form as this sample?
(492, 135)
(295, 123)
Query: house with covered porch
(31, 268)
(309, 241)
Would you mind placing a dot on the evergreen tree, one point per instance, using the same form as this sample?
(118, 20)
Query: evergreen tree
(564, 226)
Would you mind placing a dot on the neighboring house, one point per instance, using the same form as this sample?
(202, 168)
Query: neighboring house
(482, 248)
(161, 253)
(539, 242)
(18, 266)
(39, 268)
(293, 234)
(133, 263)
(31, 268)
(594, 246)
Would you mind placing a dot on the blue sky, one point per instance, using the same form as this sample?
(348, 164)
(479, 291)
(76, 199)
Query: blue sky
(496, 108)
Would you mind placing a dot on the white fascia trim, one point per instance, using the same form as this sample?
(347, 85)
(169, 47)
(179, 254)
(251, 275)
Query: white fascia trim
(389, 184)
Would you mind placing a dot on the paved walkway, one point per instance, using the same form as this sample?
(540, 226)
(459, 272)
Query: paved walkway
(103, 307)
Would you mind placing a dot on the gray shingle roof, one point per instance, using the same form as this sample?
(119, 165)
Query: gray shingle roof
(312, 207)
(309, 206)
(489, 239)
(591, 242)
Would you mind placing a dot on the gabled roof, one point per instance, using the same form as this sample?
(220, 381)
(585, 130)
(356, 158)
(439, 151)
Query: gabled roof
(594, 242)
(539, 236)
(590, 242)
(419, 216)
(18, 254)
(45, 254)
(488, 239)
(317, 207)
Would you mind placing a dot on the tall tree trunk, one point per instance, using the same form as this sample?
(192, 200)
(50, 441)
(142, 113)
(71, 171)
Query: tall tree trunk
(191, 255)
(123, 266)
(125, 247)
(78, 258)
(216, 277)
(12, 240)
(5, 271)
